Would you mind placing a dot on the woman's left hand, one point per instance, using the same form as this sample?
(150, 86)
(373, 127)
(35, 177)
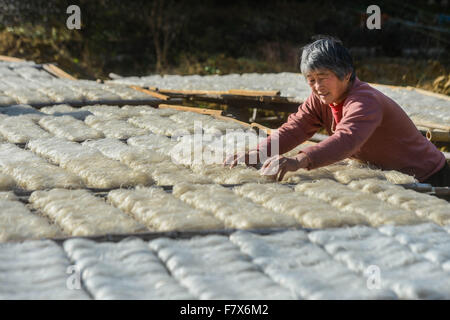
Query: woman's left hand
(278, 166)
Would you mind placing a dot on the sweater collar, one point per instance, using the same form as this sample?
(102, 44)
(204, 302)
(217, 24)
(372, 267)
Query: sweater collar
(356, 83)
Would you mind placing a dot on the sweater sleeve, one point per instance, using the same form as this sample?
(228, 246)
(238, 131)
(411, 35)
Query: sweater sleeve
(359, 121)
(300, 127)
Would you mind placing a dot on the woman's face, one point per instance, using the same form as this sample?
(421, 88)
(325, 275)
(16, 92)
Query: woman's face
(327, 86)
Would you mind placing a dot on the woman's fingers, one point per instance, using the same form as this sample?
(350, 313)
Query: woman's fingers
(229, 160)
(269, 161)
(248, 158)
(235, 162)
(283, 171)
(239, 159)
(273, 166)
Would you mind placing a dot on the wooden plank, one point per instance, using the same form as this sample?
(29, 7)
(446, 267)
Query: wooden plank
(254, 93)
(57, 72)
(151, 93)
(11, 59)
(210, 112)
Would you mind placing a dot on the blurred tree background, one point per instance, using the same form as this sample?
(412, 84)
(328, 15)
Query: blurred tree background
(217, 37)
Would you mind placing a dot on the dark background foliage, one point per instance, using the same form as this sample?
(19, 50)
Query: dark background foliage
(217, 37)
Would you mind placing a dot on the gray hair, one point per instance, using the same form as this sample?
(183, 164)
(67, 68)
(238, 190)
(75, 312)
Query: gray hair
(327, 53)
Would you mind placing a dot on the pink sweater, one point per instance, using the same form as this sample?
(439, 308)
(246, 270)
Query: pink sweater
(373, 129)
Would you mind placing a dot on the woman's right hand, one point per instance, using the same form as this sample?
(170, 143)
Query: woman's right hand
(250, 158)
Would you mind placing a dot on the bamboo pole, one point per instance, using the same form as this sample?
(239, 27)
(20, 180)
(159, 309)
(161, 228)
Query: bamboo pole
(254, 93)
(192, 109)
(438, 135)
(57, 72)
(151, 93)
(192, 92)
(420, 187)
(241, 92)
(11, 59)
(225, 118)
(261, 127)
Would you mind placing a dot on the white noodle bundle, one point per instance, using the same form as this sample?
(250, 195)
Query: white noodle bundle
(114, 128)
(23, 95)
(61, 151)
(309, 212)
(33, 173)
(79, 213)
(154, 142)
(6, 100)
(211, 267)
(104, 173)
(154, 111)
(41, 175)
(234, 211)
(424, 205)
(60, 93)
(69, 128)
(21, 129)
(302, 175)
(6, 182)
(159, 167)
(64, 109)
(8, 195)
(168, 173)
(161, 211)
(351, 201)
(107, 111)
(128, 269)
(93, 91)
(161, 125)
(225, 175)
(348, 174)
(94, 168)
(397, 177)
(208, 123)
(372, 185)
(18, 223)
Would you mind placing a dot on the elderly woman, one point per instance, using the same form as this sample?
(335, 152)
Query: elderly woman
(362, 123)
